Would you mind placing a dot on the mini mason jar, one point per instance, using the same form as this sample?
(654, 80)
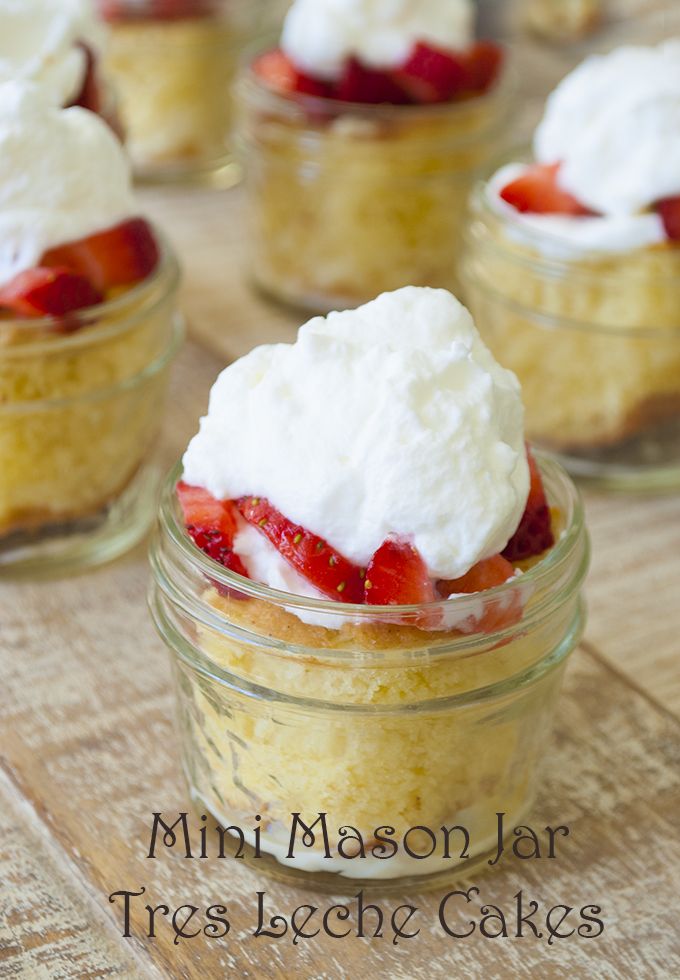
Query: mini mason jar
(292, 705)
(345, 201)
(81, 400)
(174, 77)
(595, 343)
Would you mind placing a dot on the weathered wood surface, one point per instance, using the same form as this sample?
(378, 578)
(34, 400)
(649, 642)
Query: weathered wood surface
(88, 751)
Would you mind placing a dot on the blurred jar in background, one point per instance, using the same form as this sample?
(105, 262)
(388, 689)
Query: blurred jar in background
(173, 62)
(562, 20)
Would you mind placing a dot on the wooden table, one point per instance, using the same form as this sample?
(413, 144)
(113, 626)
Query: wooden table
(88, 750)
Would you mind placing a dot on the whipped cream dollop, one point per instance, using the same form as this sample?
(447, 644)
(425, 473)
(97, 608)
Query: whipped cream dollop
(320, 35)
(613, 124)
(391, 419)
(39, 41)
(63, 176)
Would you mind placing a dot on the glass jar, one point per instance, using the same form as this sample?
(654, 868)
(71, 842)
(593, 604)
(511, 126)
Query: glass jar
(595, 343)
(358, 712)
(174, 77)
(346, 201)
(81, 401)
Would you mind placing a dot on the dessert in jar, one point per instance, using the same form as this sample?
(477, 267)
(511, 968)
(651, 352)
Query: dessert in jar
(572, 269)
(369, 589)
(361, 135)
(173, 62)
(563, 20)
(57, 44)
(87, 331)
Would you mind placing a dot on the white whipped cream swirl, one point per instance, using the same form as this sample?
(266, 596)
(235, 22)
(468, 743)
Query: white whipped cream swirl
(63, 176)
(320, 35)
(392, 419)
(614, 126)
(39, 42)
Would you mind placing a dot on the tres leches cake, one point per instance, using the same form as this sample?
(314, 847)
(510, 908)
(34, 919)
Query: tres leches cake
(361, 135)
(358, 572)
(573, 265)
(86, 319)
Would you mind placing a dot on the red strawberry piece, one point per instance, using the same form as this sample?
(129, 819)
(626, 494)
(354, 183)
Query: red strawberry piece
(534, 534)
(211, 524)
(432, 75)
(48, 292)
(119, 256)
(397, 576)
(89, 96)
(278, 72)
(366, 85)
(538, 192)
(487, 574)
(309, 554)
(483, 62)
(670, 215)
(122, 10)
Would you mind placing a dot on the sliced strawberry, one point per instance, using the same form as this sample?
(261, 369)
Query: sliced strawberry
(432, 75)
(534, 534)
(278, 72)
(670, 215)
(121, 10)
(360, 84)
(119, 256)
(538, 192)
(211, 524)
(397, 576)
(48, 292)
(483, 62)
(89, 96)
(487, 574)
(310, 555)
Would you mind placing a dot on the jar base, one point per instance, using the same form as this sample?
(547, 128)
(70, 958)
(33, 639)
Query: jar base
(649, 463)
(221, 173)
(67, 546)
(338, 884)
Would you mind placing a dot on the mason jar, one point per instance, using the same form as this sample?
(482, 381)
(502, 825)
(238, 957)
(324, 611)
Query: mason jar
(174, 76)
(374, 716)
(595, 342)
(81, 401)
(345, 201)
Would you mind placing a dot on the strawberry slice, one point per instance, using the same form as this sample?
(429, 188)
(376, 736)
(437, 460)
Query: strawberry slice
(119, 256)
(121, 10)
(278, 72)
(483, 62)
(361, 84)
(89, 96)
(309, 554)
(211, 524)
(397, 576)
(432, 75)
(538, 192)
(487, 574)
(48, 292)
(534, 533)
(670, 215)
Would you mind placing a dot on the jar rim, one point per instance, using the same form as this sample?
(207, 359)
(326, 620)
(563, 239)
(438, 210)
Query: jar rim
(553, 569)
(164, 280)
(318, 105)
(550, 265)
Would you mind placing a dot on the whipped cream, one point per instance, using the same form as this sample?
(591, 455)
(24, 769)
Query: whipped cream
(392, 419)
(320, 35)
(613, 124)
(39, 42)
(63, 176)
